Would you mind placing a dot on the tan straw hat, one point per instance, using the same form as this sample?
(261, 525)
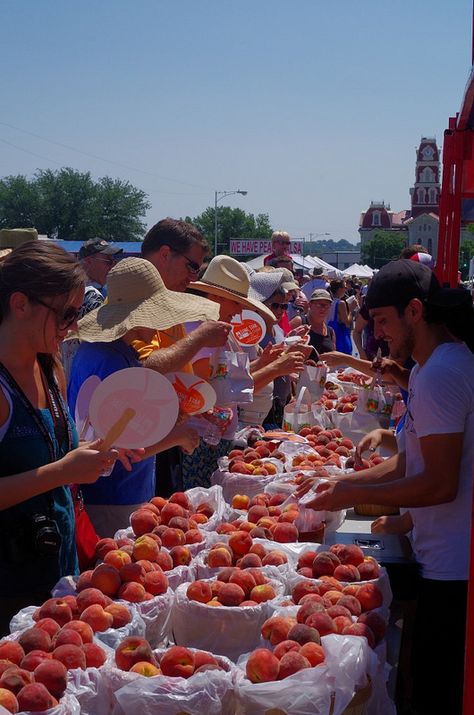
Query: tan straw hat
(227, 278)
(4, 252)
(138, 298)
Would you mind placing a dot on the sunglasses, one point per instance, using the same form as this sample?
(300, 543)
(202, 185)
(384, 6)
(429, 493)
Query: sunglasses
(64, 318)
(282, 306)
(192, 266)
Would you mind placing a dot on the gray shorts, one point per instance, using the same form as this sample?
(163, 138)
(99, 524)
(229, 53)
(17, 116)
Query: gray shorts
(107, 519)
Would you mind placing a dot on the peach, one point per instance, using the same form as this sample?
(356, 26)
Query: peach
(348, 553)
(215, 587)
(8, 701)
(240, 542)
(15, 678)
(194, 536)
(132, 572)
(288, 516)
(331, 597)
(131, 650)
(90, 597)
(145, 548)
(262, 666)
(203, 658)
(250, 561)
(164, 560)
(250, 456)
(270, 468)
(49, 625)
(308, 608)
(35, 639)
(244, 579)
(235, 453)
(95, 655)
(259, 532)
(205, 508)
(103, 546)
(375, 622)
(180, 498)
(84, 630)
(301, 633)
(368, 569)
(144, 668)
(200, 591)
(72, 656)
(351, 603)
(117, 558)
(329, 583)
(263, 592)
(248, 603)
(259, 577)
(310, 597)
(57, 609)
(274, 511)
(219, 557)
(151, 507)
(261, 499)
(341, 622)
(285, 533)
(240, 501)
(84, 580)
(240, 468)
(120, 615)
(303, 588)
(225, 528)
(173, 537)
(97, 618)
(71, 601)
(181, 556)
(34, 658)
(314, 653)
(324, 564)
(143, 521)
(67, 635)
(369, 596)
(360, 629)
(106, 579)
(292, 662)
(225, 574)
(346, 572)
(177, 662)
(158, 502)
(276, 629)
(275, 558)
(132, 592)
(156, 582)
(337, 610)
(231, 594)
(256, 512)
(258, 549)
(322, 622)
(247, 526)
(285, 647)
(53, 675)
(306, 560)
(12, 651)
(35, 698)
(170, 510)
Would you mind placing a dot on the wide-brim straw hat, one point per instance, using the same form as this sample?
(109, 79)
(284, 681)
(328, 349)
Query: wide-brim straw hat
(264, 284)
(138, 298)
(4, 252)
(227, 278)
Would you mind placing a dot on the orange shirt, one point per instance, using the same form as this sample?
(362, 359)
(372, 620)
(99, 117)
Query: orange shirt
(162, 339)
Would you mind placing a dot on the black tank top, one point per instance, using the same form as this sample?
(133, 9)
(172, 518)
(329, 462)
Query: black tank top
(322, 343)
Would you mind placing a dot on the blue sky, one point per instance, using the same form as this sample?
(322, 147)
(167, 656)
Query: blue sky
(314, 108)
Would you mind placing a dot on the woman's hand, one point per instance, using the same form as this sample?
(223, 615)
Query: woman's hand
(304, 486)
(331, 496)
(85, 464)
(371, 441)
(290, 362)
(334, 358)
(186, 437)
(301, 332)
(128, 457)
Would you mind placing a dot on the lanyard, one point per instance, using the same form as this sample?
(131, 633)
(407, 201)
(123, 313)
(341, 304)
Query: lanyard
(58, 414)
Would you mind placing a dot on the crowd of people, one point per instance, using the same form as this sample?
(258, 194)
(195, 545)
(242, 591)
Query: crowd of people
(64, 319)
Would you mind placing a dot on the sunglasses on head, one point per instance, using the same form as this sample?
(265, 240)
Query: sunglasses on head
(282, 306)
(64, 318)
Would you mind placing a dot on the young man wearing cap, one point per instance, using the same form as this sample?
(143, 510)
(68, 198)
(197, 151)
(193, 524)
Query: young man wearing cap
(281, 244)
(434, 476)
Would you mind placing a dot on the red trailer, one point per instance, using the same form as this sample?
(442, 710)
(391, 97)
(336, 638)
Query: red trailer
(457, 207)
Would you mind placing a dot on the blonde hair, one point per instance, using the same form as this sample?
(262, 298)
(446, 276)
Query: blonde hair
(277, 235)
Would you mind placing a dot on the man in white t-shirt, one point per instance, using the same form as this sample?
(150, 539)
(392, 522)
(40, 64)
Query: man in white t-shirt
(434, 476)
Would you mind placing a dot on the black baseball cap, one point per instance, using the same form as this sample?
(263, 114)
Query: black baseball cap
(98, 245)
(400, 281)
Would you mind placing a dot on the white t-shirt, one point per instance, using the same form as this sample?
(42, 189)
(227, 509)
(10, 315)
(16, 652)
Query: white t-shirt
(441, 401)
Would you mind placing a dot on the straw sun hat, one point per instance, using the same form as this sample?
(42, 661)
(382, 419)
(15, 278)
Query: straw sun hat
(227, 278)
(138, 298)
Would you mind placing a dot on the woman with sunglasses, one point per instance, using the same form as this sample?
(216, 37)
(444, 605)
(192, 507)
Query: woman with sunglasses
(41, 292)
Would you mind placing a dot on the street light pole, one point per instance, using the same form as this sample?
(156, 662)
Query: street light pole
(218, 195)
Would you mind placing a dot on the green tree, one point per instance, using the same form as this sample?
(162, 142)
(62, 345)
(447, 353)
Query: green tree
(382, 248)
(19, 202)
(70, 205)
(466, 252)
(231, 223)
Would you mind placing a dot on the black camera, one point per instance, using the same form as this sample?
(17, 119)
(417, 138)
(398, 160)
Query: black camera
(45, 535)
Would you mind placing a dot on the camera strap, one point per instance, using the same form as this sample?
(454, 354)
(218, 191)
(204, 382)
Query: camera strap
(60, 420)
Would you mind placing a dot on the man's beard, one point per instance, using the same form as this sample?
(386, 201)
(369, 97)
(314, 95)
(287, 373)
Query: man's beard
(405, 348)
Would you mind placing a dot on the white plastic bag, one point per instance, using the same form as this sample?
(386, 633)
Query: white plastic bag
(313, 378)
(230, 377)
(215, 498)
(233, 483)
(298, 413)
(228, 631)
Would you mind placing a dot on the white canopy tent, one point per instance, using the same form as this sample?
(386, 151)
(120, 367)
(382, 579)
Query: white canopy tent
(307, 263)
(359, 271)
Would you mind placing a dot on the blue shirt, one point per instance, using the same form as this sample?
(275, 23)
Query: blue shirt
(120, 487)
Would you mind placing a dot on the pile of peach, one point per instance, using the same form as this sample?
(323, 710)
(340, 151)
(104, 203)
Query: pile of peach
(251, 460)
(33, 669)
(176, 513)
(233, 587)
(265, 518)
(88, 611)
(356, 378)
(134, 654)
(132, 571)
(233, 553)
(289, 656)
(330, 401)
(343, 562)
